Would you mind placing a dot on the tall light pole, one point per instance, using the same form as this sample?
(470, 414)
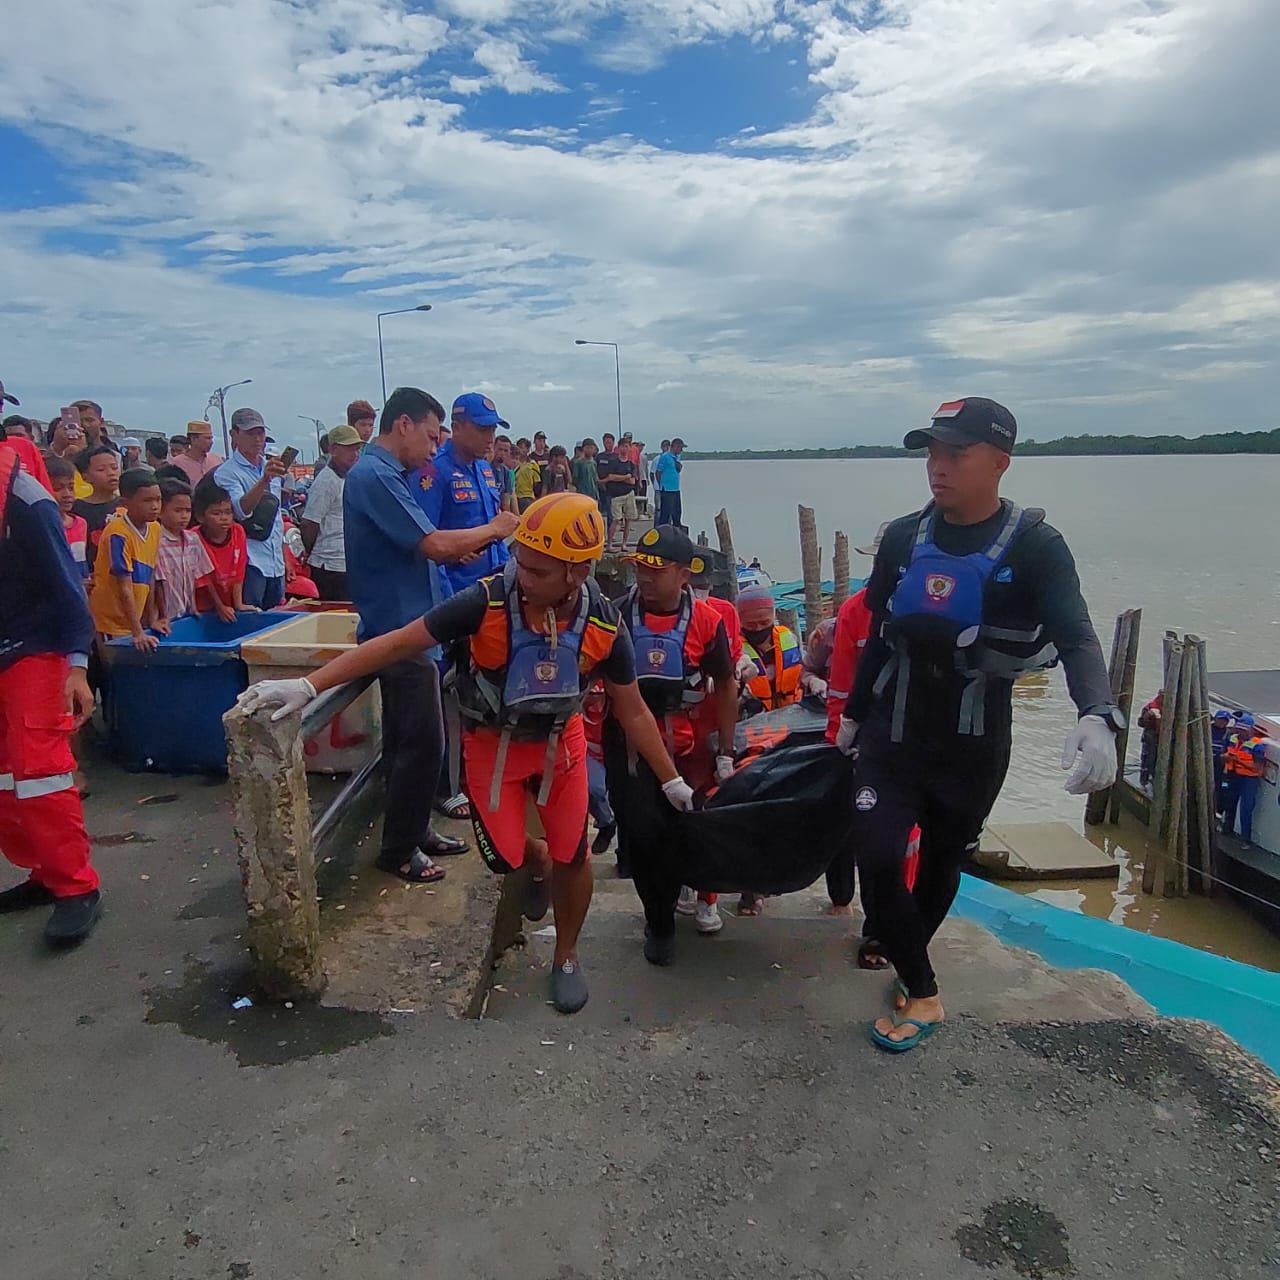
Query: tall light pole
(617, 371)
(219, 397)
(382, 366)
(319, 430)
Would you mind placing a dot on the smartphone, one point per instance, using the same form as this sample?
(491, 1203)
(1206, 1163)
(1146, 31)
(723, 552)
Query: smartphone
(289, 457)
(70, 416)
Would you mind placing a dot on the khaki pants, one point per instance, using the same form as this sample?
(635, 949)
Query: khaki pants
(624, 507)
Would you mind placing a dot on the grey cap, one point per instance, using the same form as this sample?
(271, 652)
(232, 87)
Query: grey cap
(248, 420)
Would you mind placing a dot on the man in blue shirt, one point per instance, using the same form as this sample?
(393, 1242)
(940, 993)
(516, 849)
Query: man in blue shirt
(253, 480)
(393, 557)
(667, 470)
(457, 489)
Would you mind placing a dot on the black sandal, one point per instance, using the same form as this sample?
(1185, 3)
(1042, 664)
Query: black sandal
(419, 869)
(457, 807)
(871, 955)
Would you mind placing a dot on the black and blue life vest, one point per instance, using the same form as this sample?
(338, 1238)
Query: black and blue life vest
(540, 688)
(940, 611)
(667, 681)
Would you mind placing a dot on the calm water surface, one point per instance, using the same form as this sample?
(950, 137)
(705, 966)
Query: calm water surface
(1184, 539)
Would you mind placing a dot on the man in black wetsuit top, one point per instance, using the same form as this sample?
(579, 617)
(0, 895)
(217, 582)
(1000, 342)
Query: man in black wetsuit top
(965, 596)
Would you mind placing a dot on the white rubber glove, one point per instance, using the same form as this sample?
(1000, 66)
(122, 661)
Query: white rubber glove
(1091, 747)
(724, 767)
(815, 685)
(847, 736)
(745, 668)
(679, 794)
(286, 695)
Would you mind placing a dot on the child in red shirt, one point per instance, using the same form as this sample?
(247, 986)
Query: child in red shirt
(224, 539)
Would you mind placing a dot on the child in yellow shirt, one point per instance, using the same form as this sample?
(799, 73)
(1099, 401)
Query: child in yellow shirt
(121, 602)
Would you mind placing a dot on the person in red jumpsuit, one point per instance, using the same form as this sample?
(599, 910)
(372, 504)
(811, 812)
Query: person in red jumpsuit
(45, 634)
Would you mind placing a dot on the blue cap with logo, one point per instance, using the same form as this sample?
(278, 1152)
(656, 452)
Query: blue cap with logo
(477, 409)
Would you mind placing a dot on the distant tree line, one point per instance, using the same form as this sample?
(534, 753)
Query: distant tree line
(1066, 447)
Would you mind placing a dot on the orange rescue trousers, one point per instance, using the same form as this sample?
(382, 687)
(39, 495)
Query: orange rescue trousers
(41, 818)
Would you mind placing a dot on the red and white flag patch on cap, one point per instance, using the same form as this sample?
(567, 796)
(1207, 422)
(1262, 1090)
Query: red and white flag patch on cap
(949, 410)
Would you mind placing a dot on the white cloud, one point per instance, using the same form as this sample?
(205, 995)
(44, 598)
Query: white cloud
(668, 385)
(509, 71)
(549, 386)
(1072, 203)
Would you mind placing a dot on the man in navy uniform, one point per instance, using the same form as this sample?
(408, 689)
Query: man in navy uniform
(459, 490)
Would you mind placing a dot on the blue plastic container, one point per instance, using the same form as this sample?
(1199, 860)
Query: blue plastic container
(164, 709)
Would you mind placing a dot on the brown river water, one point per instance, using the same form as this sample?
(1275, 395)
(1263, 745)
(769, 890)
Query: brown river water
(1163, 534)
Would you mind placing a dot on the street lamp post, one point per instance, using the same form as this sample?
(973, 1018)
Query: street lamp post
(306, 417)
(617, 371)
(382, 365)
(219, 397)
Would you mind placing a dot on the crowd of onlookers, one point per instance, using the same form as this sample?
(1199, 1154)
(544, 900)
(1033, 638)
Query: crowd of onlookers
(164, 528)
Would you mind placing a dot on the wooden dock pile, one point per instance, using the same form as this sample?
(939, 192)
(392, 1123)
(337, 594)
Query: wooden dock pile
(1183, 816)
(1180, 815)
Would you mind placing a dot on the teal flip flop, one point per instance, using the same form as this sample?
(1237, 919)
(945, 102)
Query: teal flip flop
(923, 1031)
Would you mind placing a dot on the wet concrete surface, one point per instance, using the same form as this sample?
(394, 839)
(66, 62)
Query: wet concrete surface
(724, 1118)
(260, 1034)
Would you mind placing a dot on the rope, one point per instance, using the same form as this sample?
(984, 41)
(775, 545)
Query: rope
(1208, 875)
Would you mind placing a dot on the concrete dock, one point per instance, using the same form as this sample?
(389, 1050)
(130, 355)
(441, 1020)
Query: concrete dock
(724, 1118)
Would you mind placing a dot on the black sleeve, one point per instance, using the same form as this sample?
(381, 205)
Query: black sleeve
(1064, 614)
(716, 661)
(459, 616)
(620, 666)
(880, 587)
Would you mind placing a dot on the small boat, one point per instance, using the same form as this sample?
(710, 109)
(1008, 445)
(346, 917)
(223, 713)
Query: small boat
(752, 575)
(790, 595)
(1254, 869)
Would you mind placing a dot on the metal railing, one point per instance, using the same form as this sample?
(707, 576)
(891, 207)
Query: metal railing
(327, 707)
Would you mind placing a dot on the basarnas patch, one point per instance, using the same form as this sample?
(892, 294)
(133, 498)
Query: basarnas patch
(865, 800)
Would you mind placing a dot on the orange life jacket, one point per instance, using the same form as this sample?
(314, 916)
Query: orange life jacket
(788, 664)
(1240, 758)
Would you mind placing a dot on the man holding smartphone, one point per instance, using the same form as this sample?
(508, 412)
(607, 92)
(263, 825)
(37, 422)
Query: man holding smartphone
(254, 482)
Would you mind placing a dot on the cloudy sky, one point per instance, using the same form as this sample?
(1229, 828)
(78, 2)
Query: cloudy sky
(804, 223)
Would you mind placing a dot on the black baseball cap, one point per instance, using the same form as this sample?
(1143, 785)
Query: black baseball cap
(667, 545)
(973, 420)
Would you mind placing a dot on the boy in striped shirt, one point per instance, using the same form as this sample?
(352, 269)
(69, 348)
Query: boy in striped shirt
(184, 562)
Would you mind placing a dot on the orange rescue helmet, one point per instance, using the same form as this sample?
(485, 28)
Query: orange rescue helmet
(564, 526)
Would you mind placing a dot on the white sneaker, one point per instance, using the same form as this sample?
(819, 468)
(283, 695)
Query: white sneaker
(687, 903)
(708, 918)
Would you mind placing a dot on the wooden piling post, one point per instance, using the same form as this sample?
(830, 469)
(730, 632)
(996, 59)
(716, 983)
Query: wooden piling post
(1177, 841)
(1209, 862)
(1128, 680)
(725, 534)
(840, 573)
(1158, 828)
(1095, 807)
(1201, 776)
(811, 566)
(277, 858)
